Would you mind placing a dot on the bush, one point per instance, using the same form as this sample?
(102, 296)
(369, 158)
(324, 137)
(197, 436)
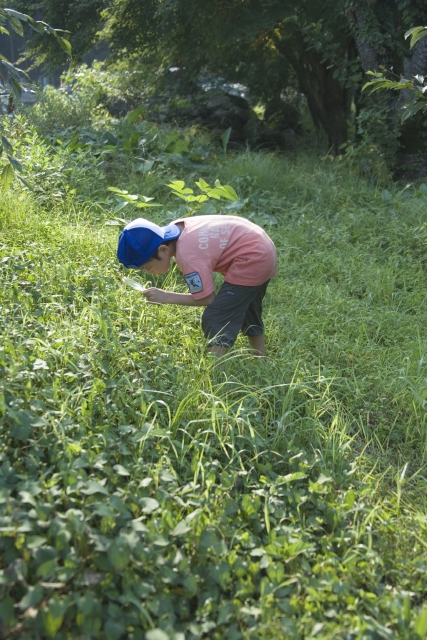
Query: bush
(57, 110)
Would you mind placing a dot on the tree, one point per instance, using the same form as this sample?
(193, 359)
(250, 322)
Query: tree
(378, 30)
(321, 47)
(259, 43)
(80, 18)
(12, 78)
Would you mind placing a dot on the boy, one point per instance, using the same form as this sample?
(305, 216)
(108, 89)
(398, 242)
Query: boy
(235, 247)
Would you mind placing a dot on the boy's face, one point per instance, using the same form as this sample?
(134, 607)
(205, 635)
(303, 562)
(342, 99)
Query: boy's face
(158, 266)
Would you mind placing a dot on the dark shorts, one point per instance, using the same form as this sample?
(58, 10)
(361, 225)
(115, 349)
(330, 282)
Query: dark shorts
(235, 308)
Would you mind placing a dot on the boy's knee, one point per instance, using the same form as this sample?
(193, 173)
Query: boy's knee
(212, 332)
(208, 324)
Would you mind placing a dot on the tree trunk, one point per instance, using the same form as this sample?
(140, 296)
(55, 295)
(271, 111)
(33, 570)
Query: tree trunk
(326, 98)
(418, 62)
(403, 144)
(368, 55)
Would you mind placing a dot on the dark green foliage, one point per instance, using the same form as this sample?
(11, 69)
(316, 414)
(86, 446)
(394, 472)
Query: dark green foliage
(81, 19)
(319, 49)
(12, 79)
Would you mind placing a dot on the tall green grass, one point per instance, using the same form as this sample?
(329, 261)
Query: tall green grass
(149, 491)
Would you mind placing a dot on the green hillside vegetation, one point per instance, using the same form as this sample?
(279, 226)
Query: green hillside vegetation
(150, 492)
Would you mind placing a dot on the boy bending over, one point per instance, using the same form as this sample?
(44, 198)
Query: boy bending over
(235, 247)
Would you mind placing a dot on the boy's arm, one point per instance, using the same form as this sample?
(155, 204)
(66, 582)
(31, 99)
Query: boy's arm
(160, 296)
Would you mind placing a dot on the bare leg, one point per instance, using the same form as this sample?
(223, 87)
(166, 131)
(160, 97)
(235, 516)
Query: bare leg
(218, 350)
(257, 343)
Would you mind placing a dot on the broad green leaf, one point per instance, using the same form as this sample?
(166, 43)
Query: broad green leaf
(119, 207)
(149, 505)
(291, 477)
(6, 176)
(129, 197)
(65, 45)
(57, 608)
(411, 110)
(118, 554)
(421, 624)
(36, 26)
(34, 542)
(11, 13)
(228, 191)
(232, 194)
(32, 597)
(15, 163)
(156, 634)
(14, 71)
(145, 166)
(416, 34)
(190, 583)
(15, 86)
(52, 625)
(93, 487)
(86, 603)
(322, 479)
(102, 509)
(133, 116)
(114, 629)
(181, 528)
(24, 182)
(202, 184)
(47, 569)
(121, 470)
(7, 616)
(178, 185)
(7, 144)
(16, 25)
(119, 191)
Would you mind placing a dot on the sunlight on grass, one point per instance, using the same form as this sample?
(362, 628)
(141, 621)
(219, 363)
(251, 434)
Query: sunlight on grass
(142, 474)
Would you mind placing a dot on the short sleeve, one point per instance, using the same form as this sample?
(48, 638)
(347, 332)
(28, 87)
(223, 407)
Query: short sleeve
(198, 278)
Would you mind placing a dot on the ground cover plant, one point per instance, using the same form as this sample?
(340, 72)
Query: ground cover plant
(147, 492)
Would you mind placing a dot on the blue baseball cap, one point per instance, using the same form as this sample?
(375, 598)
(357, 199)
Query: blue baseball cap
(140, 239)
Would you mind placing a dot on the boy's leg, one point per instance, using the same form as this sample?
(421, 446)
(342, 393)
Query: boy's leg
(223, 319)
(257, 343)
(218, 350)
(253, 326)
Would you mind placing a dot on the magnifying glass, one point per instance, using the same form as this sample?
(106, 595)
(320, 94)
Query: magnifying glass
(134, 284)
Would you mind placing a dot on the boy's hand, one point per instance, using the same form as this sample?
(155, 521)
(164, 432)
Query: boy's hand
(160, 296)
(156, 296)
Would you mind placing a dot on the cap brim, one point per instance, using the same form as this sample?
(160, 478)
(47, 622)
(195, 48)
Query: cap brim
(171, 231)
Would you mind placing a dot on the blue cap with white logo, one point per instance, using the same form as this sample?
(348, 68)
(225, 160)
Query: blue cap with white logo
(140, 239)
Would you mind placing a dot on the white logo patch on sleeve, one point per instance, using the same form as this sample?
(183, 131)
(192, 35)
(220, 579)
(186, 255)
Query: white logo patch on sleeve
(194, 282)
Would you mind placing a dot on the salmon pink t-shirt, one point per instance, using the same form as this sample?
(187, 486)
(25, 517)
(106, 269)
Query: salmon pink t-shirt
(233, 246)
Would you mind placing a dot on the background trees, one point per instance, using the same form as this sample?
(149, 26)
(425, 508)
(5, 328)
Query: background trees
(320, 48)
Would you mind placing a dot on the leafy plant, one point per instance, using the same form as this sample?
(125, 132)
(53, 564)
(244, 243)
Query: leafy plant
(12, 76)
(415, 85)
(125, 198)
(195, 203)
